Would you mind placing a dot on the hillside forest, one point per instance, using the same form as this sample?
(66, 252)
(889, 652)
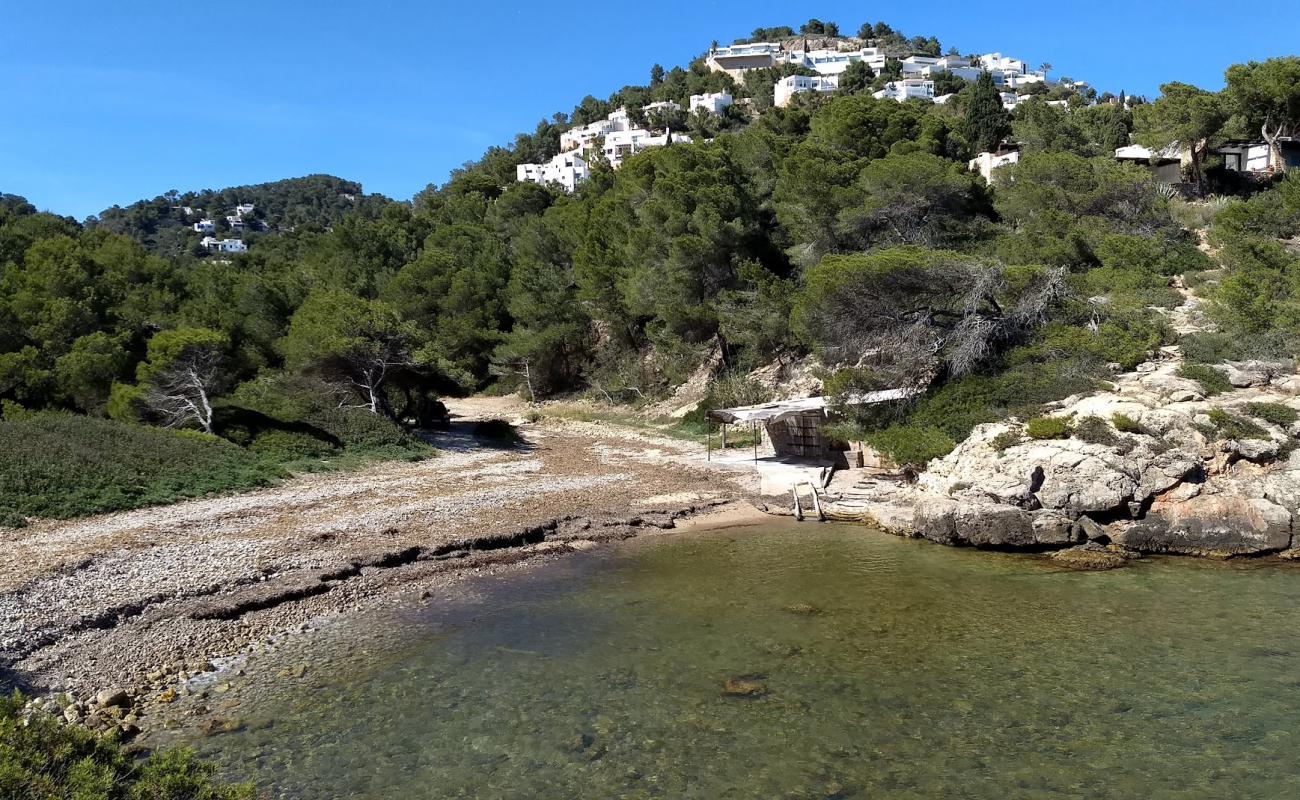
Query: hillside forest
(841, 227)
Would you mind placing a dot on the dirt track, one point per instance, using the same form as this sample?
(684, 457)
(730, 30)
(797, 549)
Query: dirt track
(108, 600)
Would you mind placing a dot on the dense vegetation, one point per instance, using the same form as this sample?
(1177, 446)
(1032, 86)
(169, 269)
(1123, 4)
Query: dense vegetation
(841, 226)
(43, 759)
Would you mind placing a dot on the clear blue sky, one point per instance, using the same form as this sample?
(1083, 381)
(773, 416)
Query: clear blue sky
(107, 102)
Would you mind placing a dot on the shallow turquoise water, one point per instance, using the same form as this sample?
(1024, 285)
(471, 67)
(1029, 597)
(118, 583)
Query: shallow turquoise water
(921, 672)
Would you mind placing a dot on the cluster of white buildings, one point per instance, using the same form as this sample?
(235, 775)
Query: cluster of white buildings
(916, 82)
(616, 137)
(237, 223)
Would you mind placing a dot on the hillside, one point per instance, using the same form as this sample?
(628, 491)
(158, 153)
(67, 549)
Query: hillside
(841, 228)
(164, 225)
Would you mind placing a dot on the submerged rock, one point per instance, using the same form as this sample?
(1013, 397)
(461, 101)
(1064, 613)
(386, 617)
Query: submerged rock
(1091, 557)
(744, 686)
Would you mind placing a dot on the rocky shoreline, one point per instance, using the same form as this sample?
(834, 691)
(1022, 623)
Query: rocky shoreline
(107, 619)
(1153, 466)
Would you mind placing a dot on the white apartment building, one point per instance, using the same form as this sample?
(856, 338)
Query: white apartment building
(205, 226)
(619, 145)
(212, 244)
(244, 208)
(584, 135)
(712, 103)
(835, 62)
(906, 89)
(739, 58)
(565, 170)
(235, 223)
(787, 88)
(985, 163)
(663, 105)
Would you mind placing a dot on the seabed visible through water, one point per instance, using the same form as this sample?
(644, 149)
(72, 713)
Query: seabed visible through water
(862, 665)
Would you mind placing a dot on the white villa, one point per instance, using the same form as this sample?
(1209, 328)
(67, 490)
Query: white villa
(205, 226)
(986, 163)
(235, 222)
(212, 244)
(244, 208)
(787, 88)
(621, 144)
(565, 170)
(906, 89)
(584, 135)
(738, 59)
(712, 103)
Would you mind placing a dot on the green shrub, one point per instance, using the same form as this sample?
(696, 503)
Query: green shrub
(1004, 440)
(1048, 428)
(61, 465)
(1281, 415)
(1126, 424)
(1094, 430)
(911, 445)
(1231, 426)
(43, 758)
(497, 430)
(1213, 381)
(284, 446)
(1216, 348)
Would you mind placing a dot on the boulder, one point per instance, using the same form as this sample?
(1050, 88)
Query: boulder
(110, 698)
(1253, 449)
(1052, 527)
(1211, 524)
(1091, 557)
(935, 518)
(994, 525)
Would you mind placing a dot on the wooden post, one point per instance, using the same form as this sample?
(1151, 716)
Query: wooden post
(798, 509)
(708, 441)
(753, 428)
(724, 438)
(817, 503)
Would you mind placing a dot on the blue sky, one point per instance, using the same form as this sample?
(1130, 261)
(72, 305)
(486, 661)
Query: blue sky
(104, 103)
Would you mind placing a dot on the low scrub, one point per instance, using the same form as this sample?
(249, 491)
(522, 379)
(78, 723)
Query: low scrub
(1276, 413)
(1094, 430)
(1231, 426)
(1213, 381)
(1048, 428)
(43, 758)
(62, 465)
(497, 430)
(1126, 424)
(911, 446)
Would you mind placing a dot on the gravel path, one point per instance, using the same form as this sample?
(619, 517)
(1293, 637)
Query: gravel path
(131, 599)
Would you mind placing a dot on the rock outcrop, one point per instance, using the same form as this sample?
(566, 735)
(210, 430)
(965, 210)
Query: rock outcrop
(1183, 473)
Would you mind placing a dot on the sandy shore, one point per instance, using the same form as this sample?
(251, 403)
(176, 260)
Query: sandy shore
(135, 599)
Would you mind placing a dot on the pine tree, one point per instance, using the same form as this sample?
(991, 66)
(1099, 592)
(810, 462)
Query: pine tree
(987, 122)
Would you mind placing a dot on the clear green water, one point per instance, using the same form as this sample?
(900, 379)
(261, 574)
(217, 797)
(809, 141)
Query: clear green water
(927, 672)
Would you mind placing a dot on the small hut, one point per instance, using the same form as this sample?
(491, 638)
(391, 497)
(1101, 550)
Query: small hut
(794, 426)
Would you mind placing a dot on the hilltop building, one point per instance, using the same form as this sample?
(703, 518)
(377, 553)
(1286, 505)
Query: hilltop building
(986, 163)
(713, 103)
(566, 170)
(214, 245)
(787, 88)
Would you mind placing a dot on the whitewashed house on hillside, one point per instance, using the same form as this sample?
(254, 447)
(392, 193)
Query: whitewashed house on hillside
(712, 103)
(619, 145)
(906, 89)
(787, 88)
(205, 226)
(243, 209)
(565, 170)
(737, 59)
(985, 163)
(580, 137)
(214, 245)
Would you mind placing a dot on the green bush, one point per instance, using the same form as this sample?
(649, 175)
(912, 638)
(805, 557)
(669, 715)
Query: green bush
(1048, 428)
(1004, 440)
(1125, 423)
(911, 445)
(1094, 430)
(284, 446)
(1213, 381)
(497, 430)
(1231, 426)
(1281, 415)
(43, 759)
(61, 465)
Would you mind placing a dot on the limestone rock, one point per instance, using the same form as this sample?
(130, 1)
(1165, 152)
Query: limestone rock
(1091, 557)
(1214, 525)
(1052, 527)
